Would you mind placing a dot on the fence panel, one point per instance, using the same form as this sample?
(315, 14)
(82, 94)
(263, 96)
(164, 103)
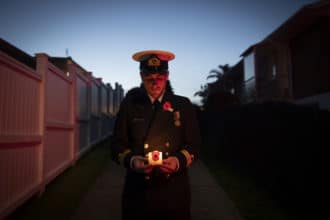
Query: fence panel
(95, 120)
(20, 133)
(82, 112)
(59, 127)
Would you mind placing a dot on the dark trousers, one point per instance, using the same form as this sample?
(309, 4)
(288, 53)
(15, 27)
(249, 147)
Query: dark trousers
(158, 198)
(179, 214)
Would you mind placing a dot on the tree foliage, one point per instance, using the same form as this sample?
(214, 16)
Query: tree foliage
(219, 84)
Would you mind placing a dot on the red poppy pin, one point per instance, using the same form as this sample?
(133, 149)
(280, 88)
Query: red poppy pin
(167, 107)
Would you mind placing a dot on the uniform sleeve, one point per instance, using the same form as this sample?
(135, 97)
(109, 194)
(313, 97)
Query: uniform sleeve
(192, 140)
(121, 151)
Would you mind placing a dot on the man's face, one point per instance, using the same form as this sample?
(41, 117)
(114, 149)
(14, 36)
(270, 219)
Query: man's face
(154, 83)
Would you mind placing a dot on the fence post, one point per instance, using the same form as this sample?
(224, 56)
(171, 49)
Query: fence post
(41, 67)
(73, 100)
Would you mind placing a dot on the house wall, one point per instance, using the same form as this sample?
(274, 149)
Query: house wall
(310, 54)
(273, 68)
(265, 64)
(249, 86)
(282, 61)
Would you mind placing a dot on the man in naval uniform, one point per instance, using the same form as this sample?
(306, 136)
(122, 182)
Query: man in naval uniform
(156, 137)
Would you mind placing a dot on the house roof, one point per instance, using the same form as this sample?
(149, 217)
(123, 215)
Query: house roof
(17, 54)
(248, 50)
(61, 63)
(297, 23)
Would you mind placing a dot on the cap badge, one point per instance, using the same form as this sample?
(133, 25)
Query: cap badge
(153, 62)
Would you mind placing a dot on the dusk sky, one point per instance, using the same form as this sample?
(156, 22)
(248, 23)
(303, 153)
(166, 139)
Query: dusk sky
(101, 36)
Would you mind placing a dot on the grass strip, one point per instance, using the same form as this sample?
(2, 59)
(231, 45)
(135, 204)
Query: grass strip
(64, 194)
(252, 202)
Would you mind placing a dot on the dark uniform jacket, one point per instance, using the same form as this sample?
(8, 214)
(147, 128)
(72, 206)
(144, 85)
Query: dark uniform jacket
(172, 129)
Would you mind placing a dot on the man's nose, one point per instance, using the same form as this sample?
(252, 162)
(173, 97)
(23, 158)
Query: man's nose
(154, 81)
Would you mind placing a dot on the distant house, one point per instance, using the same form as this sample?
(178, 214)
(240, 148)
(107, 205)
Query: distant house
(118, 96)
(235, 77)
(293, 62)
(17, 54)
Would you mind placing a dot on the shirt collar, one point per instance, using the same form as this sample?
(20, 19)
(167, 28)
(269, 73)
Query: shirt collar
(152, 100)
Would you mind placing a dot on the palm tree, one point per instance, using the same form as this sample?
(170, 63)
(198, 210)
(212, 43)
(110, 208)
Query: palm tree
(223, 86)
(223, 82)
(203, 93)
(219, 73)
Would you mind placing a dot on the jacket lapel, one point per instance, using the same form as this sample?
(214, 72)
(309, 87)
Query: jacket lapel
(159, 125)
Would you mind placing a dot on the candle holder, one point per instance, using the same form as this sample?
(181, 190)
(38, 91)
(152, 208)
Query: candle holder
(155, 157)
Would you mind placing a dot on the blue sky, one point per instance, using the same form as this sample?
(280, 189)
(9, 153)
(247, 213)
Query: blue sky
(102, 35)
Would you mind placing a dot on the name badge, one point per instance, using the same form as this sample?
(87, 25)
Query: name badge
(135, 120)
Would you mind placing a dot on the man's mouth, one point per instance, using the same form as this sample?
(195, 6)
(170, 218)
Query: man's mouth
(155, 88)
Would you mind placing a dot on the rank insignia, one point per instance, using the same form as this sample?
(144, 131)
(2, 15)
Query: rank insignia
(176, 115)
(177, 121)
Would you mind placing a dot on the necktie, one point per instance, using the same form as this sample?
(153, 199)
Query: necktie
(156, 105)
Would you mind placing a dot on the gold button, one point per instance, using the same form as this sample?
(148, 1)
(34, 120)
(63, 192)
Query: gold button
(166, 153)
(167, 144)
(146, 146)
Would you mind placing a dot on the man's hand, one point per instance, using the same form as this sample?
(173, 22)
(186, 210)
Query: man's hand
(170, 165)
(140, 164)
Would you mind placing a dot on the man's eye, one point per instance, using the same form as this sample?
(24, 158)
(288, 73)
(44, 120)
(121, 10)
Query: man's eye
(155, 79)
